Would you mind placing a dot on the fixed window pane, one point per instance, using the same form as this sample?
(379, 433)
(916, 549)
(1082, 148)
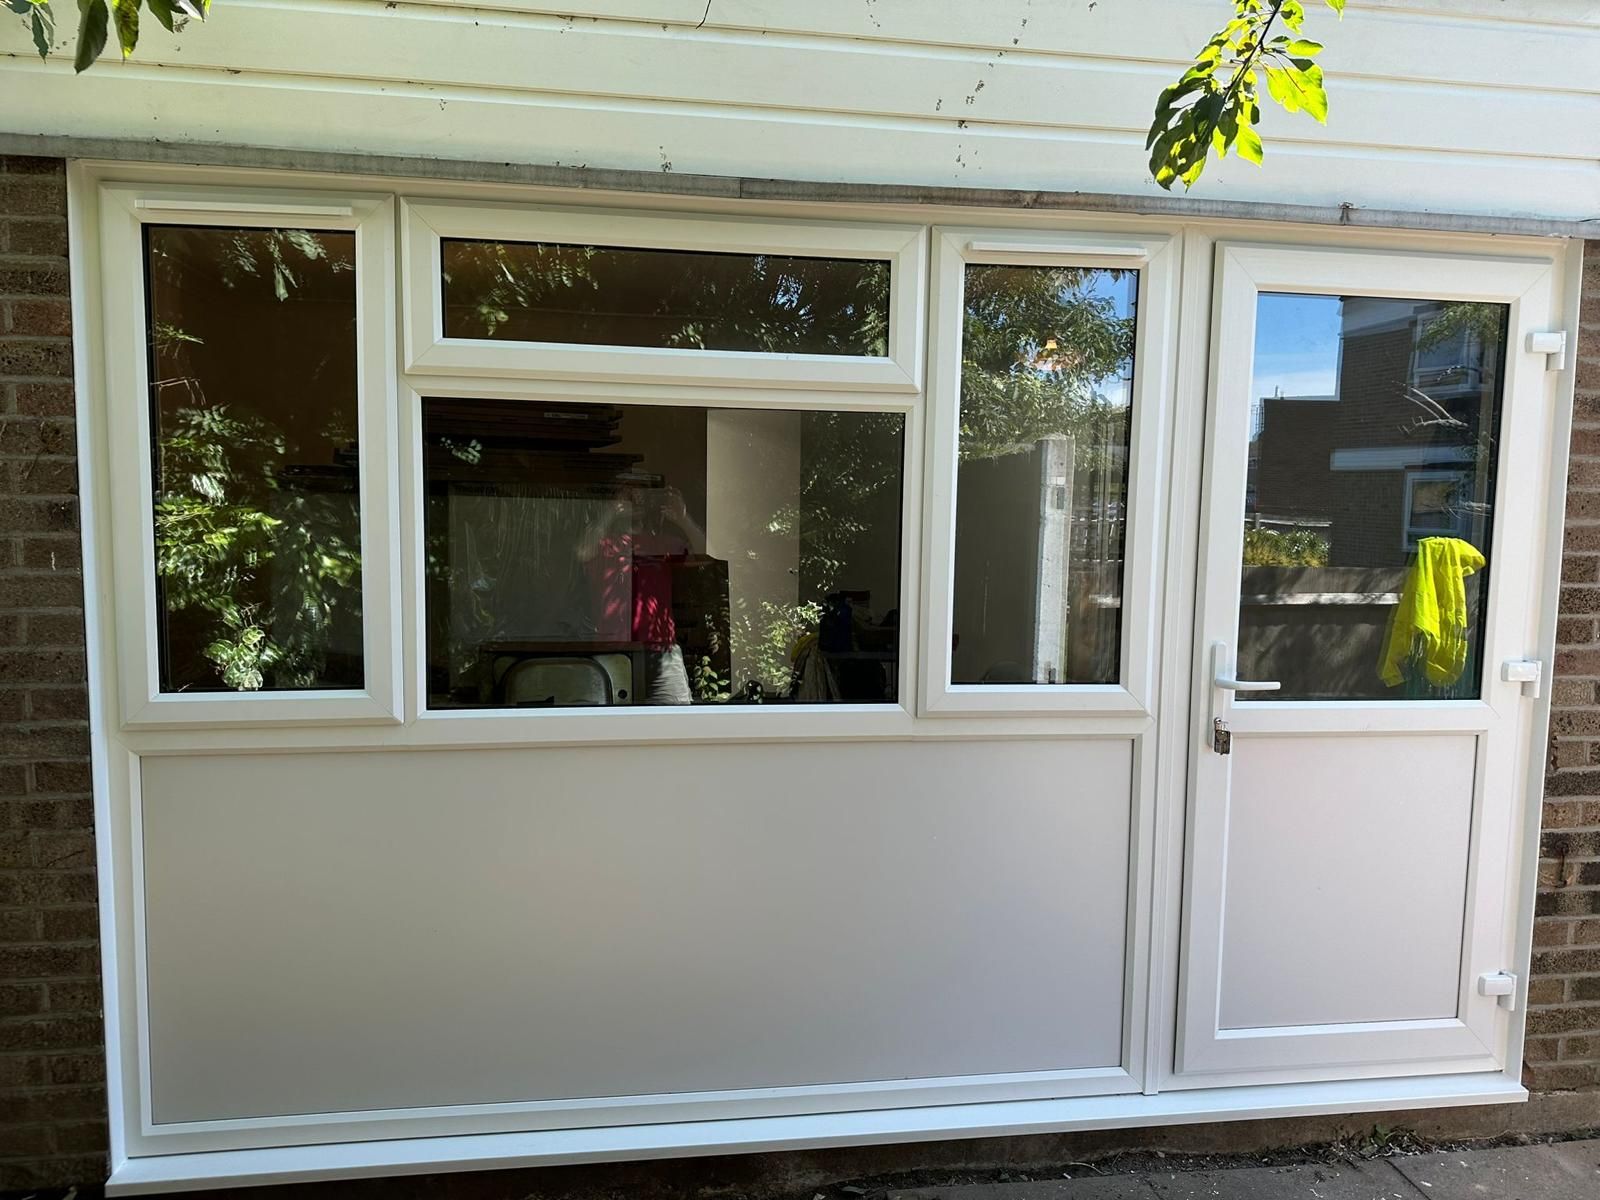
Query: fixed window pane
(1371, 496)
(665, 299)
(252, 350)
(594, 555)
(1042, 479)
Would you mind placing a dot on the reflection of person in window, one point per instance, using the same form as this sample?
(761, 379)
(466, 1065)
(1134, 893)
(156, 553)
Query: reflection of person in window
(631, 550)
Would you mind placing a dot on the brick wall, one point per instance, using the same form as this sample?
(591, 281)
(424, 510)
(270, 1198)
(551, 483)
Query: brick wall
(1564, 1000)
(52, 1101)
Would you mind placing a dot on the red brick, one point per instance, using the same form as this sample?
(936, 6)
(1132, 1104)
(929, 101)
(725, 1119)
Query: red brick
(1540, 1050)
(19, 925)
(1546, 1021)
(33, 195)
(73, 995)
(43, 962)
(59, 703)
(21, 999)
(31, 164)
(35, 399)
(50, 887)
(52, 553)
(64, 778)
(1575, 631)
(29, 438)
(81, 1136)
(54, 1104)
(42, 237)
(41, 318)
(69, 925)
(30, 279)
(1563, 1077)
(76, 1068)
(54, 851)
(40, 357)
(1582, 568)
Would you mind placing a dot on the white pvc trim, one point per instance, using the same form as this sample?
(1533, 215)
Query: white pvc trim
(414, 1156)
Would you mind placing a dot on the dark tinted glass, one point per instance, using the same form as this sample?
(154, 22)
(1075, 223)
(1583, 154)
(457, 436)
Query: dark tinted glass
(253, 410)
(665, 299)
(595, 555)
(1370, 501)
(1041, 486)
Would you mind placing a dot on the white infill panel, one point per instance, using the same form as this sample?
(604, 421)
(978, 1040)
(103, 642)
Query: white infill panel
(1346, 881)
(330, 933)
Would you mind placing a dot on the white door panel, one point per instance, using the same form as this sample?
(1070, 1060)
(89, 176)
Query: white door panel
(1378, 433)
(1344, 892)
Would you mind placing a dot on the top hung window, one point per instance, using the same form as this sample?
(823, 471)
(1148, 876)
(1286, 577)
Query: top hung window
(653, 298)
(665, 299)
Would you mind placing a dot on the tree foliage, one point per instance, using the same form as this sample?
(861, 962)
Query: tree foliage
(98, 19)
(258, 563)
(1214, 105)
(1038, 346)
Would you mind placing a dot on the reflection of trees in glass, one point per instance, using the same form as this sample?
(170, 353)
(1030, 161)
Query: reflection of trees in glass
(600, 295)
(257, 551)
(1038, 346)
(1484, 323)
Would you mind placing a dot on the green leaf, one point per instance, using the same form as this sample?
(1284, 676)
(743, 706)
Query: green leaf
(1304, 47)
(125, 15)
(161, 10)
(1249, 145)
(1337, 6)
(43, 23)
(94, 21)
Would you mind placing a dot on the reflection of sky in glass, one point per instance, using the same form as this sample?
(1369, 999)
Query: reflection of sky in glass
(1117, 287)
(1297, 348)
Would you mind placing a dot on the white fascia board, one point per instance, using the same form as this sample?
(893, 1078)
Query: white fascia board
(413, 1156)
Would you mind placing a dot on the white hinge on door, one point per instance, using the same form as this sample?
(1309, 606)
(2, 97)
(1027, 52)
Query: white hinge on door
(1551, 344)
(1502, 985)
(1529, 672)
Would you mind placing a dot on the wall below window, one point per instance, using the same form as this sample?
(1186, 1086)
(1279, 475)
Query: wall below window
(52, 1128)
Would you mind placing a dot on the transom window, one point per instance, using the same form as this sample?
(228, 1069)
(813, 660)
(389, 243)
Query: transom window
(664, 299)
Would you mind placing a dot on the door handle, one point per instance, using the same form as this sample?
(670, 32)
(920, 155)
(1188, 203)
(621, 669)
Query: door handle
(1222, 674)
(1223, 682)
(1247, 685)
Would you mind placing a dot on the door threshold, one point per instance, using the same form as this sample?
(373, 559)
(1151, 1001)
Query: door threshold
(748, 1135)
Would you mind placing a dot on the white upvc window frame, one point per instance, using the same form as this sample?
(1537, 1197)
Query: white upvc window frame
(125, 211)
(427, 351)
(1155, 313)
(644, 722)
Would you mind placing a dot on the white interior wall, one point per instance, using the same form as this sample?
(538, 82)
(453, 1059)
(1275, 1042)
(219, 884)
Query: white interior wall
(753, 473)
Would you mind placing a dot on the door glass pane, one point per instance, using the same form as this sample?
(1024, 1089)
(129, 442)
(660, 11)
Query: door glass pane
(1373, 425)
(665, 299)
(1042, 476)
(591, 554)
(253, 414)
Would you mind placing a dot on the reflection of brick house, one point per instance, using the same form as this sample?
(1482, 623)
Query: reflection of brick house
(1390, 455)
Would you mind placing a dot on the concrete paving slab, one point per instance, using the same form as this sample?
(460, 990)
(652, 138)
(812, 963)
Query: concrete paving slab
(1306, 1181)
(1564, 1171)
(1087, 1187)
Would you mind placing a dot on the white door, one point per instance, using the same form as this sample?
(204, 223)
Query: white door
(1379, 439)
